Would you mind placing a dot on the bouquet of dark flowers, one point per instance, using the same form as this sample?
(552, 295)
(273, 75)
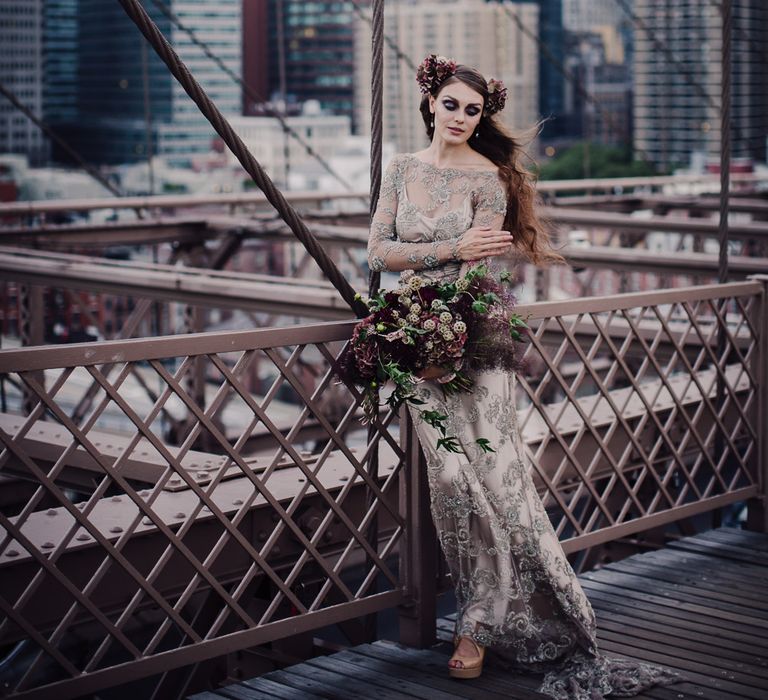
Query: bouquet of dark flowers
(422, 330)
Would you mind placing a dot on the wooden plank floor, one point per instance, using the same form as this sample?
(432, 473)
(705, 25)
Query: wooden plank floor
(699, 605)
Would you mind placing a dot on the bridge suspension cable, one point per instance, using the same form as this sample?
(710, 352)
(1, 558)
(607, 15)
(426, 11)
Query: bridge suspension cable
(726, 11)
(249, 91)
(176, 66)
(377, 90)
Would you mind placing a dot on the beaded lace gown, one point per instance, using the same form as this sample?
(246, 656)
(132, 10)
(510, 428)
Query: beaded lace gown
(516, 592)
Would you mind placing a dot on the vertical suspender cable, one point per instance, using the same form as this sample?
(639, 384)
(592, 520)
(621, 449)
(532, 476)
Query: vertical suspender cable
(160, 44)
(377, 83)
(725, 166)
(725, 135)
(374, 277)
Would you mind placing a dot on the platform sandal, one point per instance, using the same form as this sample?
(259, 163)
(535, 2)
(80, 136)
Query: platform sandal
(472, 665)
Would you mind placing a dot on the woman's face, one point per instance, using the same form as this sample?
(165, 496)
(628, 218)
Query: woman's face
(457, 109)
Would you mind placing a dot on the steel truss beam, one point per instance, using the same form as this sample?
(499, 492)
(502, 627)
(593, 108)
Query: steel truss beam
(548, 187)
(304, 298)
(171, 228)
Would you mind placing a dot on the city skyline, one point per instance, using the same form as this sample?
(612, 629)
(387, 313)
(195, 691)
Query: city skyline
(454, 29)
(677, 110)
(590, 70)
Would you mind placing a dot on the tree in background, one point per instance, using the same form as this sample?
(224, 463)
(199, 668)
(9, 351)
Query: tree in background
(594, 161)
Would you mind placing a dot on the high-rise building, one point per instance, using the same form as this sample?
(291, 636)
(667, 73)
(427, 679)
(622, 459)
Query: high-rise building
(606, 117)
(598, 48)
(599, 98)
(311, 53)
(129, 103)
(473, 32)
(21, 71)
(60, 65)
(677, 103)
(586, 15)
(551, 79)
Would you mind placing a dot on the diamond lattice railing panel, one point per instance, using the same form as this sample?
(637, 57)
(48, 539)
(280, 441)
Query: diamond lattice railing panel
(180, 498)
(630, 412)
(175, 491)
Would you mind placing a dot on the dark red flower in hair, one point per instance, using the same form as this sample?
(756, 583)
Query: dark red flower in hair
(497, 96)
(432, 71)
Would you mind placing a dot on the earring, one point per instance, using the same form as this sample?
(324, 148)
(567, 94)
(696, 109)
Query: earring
(477, 133)
(432, 124)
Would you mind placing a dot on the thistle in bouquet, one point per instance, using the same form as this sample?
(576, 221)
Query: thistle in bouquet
(497, 331)
(450, 329)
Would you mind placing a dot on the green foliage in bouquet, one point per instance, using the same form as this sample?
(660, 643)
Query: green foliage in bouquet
(457, 328)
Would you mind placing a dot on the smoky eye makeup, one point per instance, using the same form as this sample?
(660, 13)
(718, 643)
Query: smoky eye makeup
(451, 105)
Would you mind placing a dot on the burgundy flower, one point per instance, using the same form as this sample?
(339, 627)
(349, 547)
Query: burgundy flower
(497, 96)
(461, 328)
(432, 71)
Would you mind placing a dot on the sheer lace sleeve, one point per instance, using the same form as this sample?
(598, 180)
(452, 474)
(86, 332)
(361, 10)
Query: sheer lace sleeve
(490, 201)
(385, 250)
(490, 204)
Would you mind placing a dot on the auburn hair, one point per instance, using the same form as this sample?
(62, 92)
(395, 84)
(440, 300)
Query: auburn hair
(529, 230)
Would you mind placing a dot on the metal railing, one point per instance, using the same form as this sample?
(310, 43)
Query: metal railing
(637, 410)
(659, 416)
(129, 553)
(188, 532)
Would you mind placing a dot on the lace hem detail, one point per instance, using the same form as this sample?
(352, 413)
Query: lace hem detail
(584, 677)
(516, 593)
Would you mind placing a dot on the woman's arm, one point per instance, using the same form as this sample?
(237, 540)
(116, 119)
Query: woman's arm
(483, 239)
(490, 205)
(385, 251)
(486, 238)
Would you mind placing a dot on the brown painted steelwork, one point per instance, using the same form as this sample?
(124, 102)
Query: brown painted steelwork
(663, 203)
(197, 228)
(301, 296)
(547, 187)
(305, 298)
(224, 551)
(253, 490)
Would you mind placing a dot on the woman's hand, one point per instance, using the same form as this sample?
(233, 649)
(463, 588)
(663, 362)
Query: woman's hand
(483, 242)
(432, 372)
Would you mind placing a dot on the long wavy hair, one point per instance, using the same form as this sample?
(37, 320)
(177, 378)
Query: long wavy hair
(529, 230)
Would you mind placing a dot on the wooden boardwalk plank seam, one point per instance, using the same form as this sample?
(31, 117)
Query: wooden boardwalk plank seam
(699, 606)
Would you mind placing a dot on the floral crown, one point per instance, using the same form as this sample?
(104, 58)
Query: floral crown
(434, 69)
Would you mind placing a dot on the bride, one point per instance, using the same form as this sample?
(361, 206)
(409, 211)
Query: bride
(463, 199)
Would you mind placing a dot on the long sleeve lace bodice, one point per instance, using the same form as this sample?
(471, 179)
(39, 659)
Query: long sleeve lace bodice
(423, 210)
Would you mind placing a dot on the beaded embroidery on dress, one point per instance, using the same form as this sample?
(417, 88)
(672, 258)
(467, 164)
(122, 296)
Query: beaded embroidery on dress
(516, 592)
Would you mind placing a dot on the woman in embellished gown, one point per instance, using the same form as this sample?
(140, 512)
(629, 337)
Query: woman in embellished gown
(463, 199)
